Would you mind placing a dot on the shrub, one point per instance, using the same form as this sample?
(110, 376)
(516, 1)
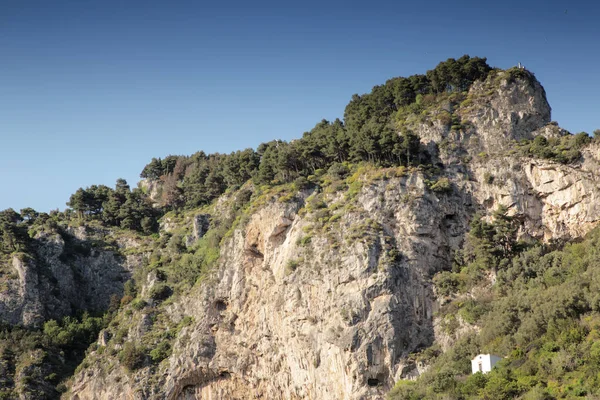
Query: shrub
(149, 225)
(129, 288)
(160, 291)
(114, 303)
(291, 266)
(472, 311)
(287, 198)
(126, 300)
(540, 141)
(445, 118)
(138, 304)
(442, 185)
(564, 150)
(456, 123)
(335, 217)
(473, 384)
(121, 334)
(305, 240)
(316, 204)
(467, 102)
(447, 283)
(338, 171)
(488, 178)
(582, 139)
(405, 390)
(518, 73)
(161, 351)
(132, 357)
(442, 381)
(301, 183)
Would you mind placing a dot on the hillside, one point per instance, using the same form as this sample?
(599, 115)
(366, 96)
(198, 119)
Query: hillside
(445, 216)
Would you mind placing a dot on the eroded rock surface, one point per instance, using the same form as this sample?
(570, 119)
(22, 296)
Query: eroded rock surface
(304, 310)
(63, 276)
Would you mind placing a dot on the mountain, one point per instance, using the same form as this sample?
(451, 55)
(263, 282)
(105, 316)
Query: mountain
(385, 248)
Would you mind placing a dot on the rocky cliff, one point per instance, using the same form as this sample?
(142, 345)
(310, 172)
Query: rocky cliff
(324, 293)
(70, 270)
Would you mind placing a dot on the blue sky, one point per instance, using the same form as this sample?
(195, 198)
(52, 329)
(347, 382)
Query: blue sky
(90, 91)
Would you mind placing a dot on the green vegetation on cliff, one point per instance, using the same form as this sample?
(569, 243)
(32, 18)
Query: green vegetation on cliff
(121, 207)
(368, 133)
(34, 363)
(333, 157)
(564, 150)
(542, 315)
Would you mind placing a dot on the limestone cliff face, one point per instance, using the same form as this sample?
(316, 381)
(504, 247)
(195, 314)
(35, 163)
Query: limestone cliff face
(331, 317)
(558, 201)
(62, 277)
(324, 295)
(494, 114)
(152, 188)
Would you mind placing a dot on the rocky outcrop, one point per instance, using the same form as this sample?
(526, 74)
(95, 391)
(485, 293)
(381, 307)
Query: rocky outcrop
(286, 320)
(200, 225)
(556, 201)
(337, 316)
(495, 114)
(21, 302)
(328, 301)
(66, 274)
(505, 109)
(153, 188)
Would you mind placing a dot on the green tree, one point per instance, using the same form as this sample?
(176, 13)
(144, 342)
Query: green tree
(111, 208)
(89, 201)
(13, 236)
(153, 170)
(168, 164)
(122, 187)
(29, 214)
(268, 162)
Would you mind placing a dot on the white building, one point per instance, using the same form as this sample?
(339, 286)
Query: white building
(484, 363)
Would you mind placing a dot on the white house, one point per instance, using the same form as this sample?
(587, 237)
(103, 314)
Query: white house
(484, 363)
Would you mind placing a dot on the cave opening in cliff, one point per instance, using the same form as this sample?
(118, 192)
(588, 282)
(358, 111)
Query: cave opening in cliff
(373, 382)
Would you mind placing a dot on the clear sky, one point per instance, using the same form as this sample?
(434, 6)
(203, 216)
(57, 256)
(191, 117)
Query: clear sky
(90, 91)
